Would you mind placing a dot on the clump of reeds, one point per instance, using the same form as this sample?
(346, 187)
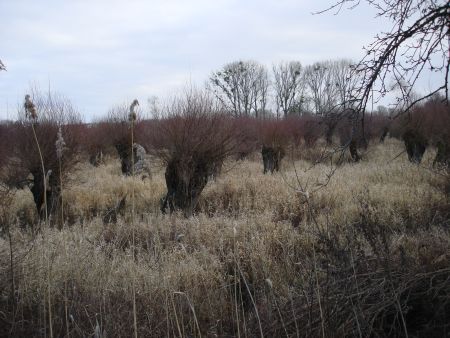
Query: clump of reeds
(132, 118)
(60, 146)
(31, 114)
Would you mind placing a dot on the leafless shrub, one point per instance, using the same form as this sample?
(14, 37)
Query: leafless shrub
(112, 135)
(193, 140)
(274, 138)
(377, 127)
(54, 112)
(96, 142)
(312, 130)
(6, 146)
(425, 124)
(247, 129)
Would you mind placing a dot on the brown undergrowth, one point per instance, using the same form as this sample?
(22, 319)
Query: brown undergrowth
(368, 254)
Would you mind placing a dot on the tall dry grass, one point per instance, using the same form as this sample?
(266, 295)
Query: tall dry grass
(360, 256)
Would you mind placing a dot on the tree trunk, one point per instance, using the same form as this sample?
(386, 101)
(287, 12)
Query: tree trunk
(384, 134)
(272, 157)
(52, 193)
(443, 154)
(124, 151)
(354, 150)
(415, 145)
(185, 180)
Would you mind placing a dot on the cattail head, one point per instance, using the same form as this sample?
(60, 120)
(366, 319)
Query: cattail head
(60, 144)
(132, 115)
(30, 108)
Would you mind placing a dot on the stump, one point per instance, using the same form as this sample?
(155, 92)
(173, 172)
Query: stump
(353, 147)
(186, 177)
(384, 134)
(52, 193)
(96, 158)
(415, 145)
(272, 157)
(443, 154)
(124, 151)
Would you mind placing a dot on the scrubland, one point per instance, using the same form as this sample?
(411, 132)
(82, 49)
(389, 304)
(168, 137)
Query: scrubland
(355, 249)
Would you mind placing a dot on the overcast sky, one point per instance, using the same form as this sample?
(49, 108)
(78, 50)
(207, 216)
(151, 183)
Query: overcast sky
(100, 53)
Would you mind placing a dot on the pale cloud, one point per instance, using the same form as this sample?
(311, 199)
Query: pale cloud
(102, 52)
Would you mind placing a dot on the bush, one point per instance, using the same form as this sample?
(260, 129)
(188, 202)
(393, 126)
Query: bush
(377, 127)
(54, 112)
(96, 143)
(274, 138)
(248, 130)
(430, 122)
(193, 141)
(6, 146)
(112, 135)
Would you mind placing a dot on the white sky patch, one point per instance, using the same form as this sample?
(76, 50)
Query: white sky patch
(102, 52)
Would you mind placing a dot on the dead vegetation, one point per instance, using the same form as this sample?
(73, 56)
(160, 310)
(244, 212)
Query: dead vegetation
(366, 255)
(324, 246)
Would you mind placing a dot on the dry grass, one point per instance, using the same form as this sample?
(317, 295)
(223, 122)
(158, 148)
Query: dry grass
(252, 232)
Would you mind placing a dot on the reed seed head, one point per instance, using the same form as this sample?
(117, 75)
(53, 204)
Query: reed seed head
(132, 116)
(60, 144)
(30, 108)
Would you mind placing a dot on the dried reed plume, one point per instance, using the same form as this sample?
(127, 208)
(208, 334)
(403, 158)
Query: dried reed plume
(31, 114)
(30, 108)
(60, 147)
(132, 118)
(132, 115)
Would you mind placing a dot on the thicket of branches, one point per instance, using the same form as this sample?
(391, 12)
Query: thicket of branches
(54, 113)
(193, 140)
(416, 42)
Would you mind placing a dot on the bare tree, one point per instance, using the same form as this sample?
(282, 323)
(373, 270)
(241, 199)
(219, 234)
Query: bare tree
(319, 81)
(260, 86)
(332, 86)
(287, 83)
(154, 106)
(242, 87)
(417, 41)
(345, 82)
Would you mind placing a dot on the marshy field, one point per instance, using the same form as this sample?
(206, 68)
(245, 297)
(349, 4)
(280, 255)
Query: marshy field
(353, 249)
(225, 169)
